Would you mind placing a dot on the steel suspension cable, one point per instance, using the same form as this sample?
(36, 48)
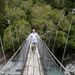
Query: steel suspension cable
(51, 36)
(54, 41)
(54, 56)
(20, 36)
(11, 37)
(3, 49)
(55, 26)
(66, 43)
(49, 41)
(17, 35)
(14, 55)
(67, 38)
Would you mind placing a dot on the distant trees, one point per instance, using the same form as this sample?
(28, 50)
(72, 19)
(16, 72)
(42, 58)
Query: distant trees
(25, 14)
(3, 22)
(2, 6)
(58, 4)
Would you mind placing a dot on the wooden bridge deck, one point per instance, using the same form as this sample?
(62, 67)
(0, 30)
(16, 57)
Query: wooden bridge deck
(33, 65)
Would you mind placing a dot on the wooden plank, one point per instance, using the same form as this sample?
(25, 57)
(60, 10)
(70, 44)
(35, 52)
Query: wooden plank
(33, 65)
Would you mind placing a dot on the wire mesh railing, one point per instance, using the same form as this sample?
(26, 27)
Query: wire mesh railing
(17, 61)
(49, 61)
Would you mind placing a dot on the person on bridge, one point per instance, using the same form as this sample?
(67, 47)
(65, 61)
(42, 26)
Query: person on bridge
(33, 38)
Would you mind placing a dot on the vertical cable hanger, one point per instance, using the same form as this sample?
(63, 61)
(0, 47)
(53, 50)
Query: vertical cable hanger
(66, 43)
(72, 13)
(11, 36)
(3, 49)
(20, 36)
(17, 35)
(54, 41)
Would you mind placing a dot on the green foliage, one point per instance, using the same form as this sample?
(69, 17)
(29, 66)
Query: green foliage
(2, 6)
(3, 21)
(59, 4)
(64, 25)
(61, 40)
(24, 14)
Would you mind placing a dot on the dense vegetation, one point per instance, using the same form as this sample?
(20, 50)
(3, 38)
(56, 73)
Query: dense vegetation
(25, 14)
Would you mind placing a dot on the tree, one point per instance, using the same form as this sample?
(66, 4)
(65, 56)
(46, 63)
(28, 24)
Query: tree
(3, 21)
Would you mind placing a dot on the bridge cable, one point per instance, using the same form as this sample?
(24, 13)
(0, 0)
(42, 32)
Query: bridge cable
(54, 41)
(11, 37)
(13, 56)
(17, 35)
(54, 57)
(64, 49)
(67, 38)
(66, 43)
(3, 50)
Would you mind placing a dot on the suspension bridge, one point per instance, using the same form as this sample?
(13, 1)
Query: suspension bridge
(24, 62)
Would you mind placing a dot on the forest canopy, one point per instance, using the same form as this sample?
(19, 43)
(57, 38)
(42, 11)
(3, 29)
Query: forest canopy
(25, 14)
